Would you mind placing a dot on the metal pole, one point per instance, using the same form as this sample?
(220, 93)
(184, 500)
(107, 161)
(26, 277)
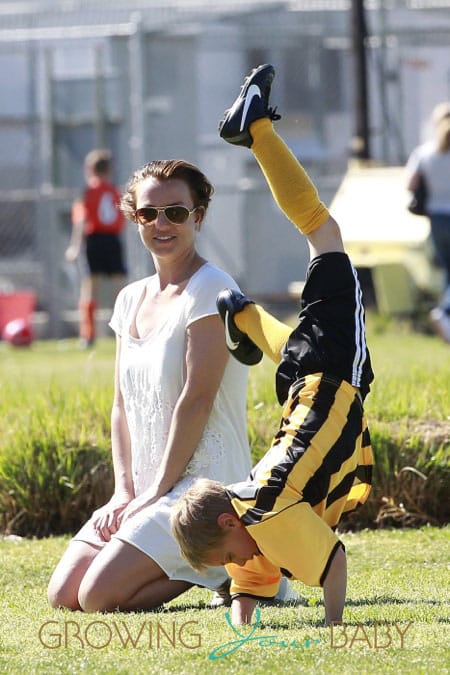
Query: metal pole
(360, 140)
(139, 260)
(137, 93)
(99, 128)
(384, 101)
(48, 233)
(47, 124)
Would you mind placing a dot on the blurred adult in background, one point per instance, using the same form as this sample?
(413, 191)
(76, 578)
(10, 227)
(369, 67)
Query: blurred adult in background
(97, 223)
(432, 161)
(179, 409)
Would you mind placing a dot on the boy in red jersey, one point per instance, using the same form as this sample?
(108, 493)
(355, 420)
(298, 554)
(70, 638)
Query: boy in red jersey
(97, 221)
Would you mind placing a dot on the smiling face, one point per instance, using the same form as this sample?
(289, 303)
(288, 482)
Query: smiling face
(237, 546)
(163, 238)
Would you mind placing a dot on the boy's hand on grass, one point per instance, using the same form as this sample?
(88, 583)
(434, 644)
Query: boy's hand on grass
(242, 610)
(334, 588)
(106, 519)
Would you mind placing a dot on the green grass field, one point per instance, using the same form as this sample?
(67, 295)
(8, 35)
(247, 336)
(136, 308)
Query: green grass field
(397, 614)
(396, 620)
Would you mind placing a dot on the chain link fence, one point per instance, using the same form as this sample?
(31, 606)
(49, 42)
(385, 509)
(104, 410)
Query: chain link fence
(154, 84)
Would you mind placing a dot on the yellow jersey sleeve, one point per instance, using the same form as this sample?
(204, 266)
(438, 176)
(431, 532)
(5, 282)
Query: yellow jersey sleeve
(297, 540)
(258, 577)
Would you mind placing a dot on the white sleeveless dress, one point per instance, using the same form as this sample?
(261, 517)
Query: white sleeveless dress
(152, 374)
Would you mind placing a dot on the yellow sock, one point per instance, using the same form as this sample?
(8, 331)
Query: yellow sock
(263, 329)
(290, 185)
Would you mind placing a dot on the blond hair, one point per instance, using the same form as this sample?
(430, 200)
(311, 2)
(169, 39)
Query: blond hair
(440, 112)
(443, 135)
(194, 520)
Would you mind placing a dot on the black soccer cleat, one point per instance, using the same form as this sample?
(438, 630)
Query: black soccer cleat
(251, 104)
(243, 349)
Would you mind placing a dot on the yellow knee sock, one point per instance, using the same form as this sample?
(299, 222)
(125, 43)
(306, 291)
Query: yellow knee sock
(263, 329)
(290, 185)
(297, 197)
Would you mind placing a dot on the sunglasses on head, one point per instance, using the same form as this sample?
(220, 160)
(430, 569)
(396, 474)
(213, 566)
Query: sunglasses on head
(175, 214)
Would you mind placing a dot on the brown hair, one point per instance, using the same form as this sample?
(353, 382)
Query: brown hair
(194, 520)
(99, 161)
(199, 186)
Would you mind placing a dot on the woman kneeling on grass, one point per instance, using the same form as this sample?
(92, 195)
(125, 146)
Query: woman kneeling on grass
(179, 409)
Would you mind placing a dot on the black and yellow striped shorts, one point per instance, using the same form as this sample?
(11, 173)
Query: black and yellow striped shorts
(321, 453)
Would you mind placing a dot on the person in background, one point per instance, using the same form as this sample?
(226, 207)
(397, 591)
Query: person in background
(179, 409)
(432, 161)
(97, 223)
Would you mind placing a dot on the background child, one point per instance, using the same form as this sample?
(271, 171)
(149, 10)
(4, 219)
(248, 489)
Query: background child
(282, 520)
(97, 223)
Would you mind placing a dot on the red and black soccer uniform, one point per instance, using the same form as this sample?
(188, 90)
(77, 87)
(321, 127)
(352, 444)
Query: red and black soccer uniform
(103, 224)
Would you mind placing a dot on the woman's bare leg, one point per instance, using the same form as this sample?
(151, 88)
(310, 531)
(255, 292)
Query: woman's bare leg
(123, 577)
(66, 579)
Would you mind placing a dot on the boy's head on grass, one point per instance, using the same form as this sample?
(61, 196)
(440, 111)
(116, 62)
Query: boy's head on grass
(207, 529)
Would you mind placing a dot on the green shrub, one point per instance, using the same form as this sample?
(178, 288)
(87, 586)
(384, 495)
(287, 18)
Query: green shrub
(55, 464)
(411, 478)
(51, 489)
(55, 459)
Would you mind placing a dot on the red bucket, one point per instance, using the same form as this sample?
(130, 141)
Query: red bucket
(16, 307)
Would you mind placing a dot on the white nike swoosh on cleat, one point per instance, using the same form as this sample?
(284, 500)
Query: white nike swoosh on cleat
(252, 91)
(231, 344)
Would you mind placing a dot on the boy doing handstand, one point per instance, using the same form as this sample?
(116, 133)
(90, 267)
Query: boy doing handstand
(282, 520)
